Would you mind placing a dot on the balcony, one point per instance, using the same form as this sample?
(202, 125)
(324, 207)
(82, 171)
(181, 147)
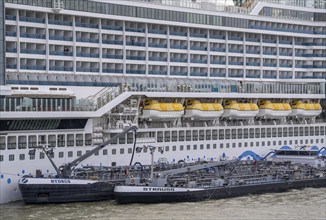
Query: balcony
(11, 50)
(28, 51)
(213, 74)
(252, 64)
(198, 35)
(180, 47)
(252, 76)
(34, 20)
(87, 40)
(112, 27)
(61, 38)
(11, 66)
(157, 45)
(61, 53)
(11, 17)
(134, 29)
(59, 22)
(236, 63)
(270, 41)
(61, 68)
(82, 69)
(180, 60)
(155, 31)
(107, 70)
(216, 49)
(136, 72)
(218, 62)
(137, 44)
(163, 59)
(157, 72)
(219, 37)
(285, 77)
(11, 33)
(93, 55)
(286, 65)
(198, 48)
(236, 38)
(236, 75)
(269, 76)
(111, 56)
(116, 42)
(37, 36)
(285, 54)
(285, 42)
(269, 52)
(235, 50)
(251, 39)
(252, 51)
(269, 64)
(32, 67)
(178, 33)
(198, 74)
(86, 25)
(135, 57)
(198, 61)
(176, 73)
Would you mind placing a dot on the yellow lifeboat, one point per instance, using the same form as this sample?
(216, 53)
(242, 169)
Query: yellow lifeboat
(203, 111)
(270, 110)
(235, 110)
(155, 110)
(305, 110)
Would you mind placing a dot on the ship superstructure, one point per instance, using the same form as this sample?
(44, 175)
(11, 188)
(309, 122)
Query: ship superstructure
(201, 81)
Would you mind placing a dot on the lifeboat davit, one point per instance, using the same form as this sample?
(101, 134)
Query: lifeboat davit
(203, 111)
(235, 110)
(305, 110)
(155, 110)
(270, 110)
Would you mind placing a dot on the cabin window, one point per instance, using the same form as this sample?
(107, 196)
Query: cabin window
(160, 149)
(221, 145)
(79, 153)
(251, 144)
(167, 136)
(201, 135)
(239, 133)
(129, 150)
(174, 148)
(295, 142)
(122, 140)
(114, 151)
(311, 141)
(1, 158)
(285, 132)
(257, 132)
(188, 135)
(174, 136)
(60, 154)
(21, 156)
(221, 134)
(279, 132)
(317, 141)
(285, 142)
(214, 135)
(269, 132)
(145, 149)
(296, 131)
(290, 142)
(245, 134)
(181, 135)
(317, 131)
(240, 144)
(61, 140)
(105, 152)
(42, 155)
(227, 145)
(274, 133)
(11, 142)
(306, 141)
(234, 133)
(201, 146)
(214, 146)
(312, 133)
(263, 132)
(22, 142)
(252, 133)
(268, 143)
(322, 131)
(306, 131)
(263, 143)
(274, 143)
(97, 153)
(257, 144)
(2, 142)
(188, 147)
(122, 150)
(195, 147)
(11, 157)
(227, 134)
(322, 141)
(208, 134)
(195, 135)
(301, 131)
(301, 141)
(130, 138)
(181, 147)
(70, 154)
(160, 136)
(233, 145)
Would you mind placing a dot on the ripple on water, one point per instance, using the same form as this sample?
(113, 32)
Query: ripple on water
(295, 204)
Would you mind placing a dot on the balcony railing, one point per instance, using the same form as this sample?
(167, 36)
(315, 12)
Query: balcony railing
(59, 22)
(29, 19)
(116, 42)
(37, 36)
(93, 55)
(135, 71)
(29, 51)
(63, 38)
(86, 25)
(108, 70)
(181, 47)
(157, 72)
(11, 50)
(135, 57)
(61, 68)
(135, 29)
(178, 73)
(11, 33)
(178, 33)
(11, 17)
(112, 56)
(32, 67)
(61, 53)
(11, 66)
(88, 69)
(181, 60)
(157, 45)
(138, 44)
(164, 59)
(87, 40)
(155, 31)
(112, 27)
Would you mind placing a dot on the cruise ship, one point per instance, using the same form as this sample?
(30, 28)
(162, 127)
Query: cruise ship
(202, 80)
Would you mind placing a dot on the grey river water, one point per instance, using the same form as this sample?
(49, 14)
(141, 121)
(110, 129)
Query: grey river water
(306, 204)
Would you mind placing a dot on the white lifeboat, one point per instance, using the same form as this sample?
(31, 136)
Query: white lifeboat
(305, 110)
(235, 110)
(203, 111)
(155, 110)
(270, 110)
